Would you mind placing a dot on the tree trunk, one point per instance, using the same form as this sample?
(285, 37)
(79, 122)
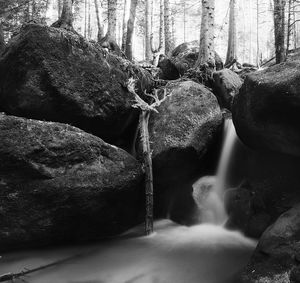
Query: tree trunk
(66, 18)
(144, 120)
(156, 52)
(59, 8)
(184, 22)
(289, 28)
(99, 24)
(148, 28)
(89, 20)
(85, 18)
(130, 29)
(257, 35)
(279, 30)
(232, 39)
(207, 49)
(124, 26)
(112, 20)
(2, 42)
(169, 45)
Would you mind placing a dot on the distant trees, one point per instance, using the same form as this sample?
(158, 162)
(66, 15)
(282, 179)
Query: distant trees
(279, 30)
(207, 49)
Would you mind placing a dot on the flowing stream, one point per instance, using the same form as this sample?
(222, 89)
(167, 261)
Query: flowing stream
(204, 253)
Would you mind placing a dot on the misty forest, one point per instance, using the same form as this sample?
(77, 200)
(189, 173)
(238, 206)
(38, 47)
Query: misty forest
(151, 141)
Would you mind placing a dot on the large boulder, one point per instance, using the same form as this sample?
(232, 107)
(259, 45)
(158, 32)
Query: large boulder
(60, 184)
(226, 86)
(183, 136)
(52, 74)
(183, 58)
(186, 54)
(266, 112)
(277, 256)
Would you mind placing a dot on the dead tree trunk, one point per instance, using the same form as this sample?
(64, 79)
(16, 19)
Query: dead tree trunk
(144, 121)
(207, 49)
(130, 29)
(232, 38)
(146, 109)
(112, 20)
(279, 30)
(66, 18)
(99, 23)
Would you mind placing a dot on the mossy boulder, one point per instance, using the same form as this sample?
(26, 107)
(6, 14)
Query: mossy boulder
(276, 258)
(266, 111)
(183, 58)
(59, 184)
(183, 135)
(185, 55)
(56, 75)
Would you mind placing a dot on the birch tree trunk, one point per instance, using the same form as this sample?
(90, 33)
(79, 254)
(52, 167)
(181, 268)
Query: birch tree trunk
(99, 23)
(124, 26)
(130, 29)
(279, 30)
(169, 45)
(148, 28)
(112, 20)
(207, 49)
(232, 38)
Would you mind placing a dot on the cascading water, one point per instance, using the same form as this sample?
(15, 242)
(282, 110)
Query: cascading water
(205, 253)
(209, 191)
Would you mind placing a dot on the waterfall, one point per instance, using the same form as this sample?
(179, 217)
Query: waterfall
(209, 191)
(205, 253)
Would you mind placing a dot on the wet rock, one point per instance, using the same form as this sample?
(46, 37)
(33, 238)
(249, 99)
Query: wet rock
(266, 112)
(266, 184)
(226, 86)
(52, 74)
(60, 184)
(274, 260)
(183, 136)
